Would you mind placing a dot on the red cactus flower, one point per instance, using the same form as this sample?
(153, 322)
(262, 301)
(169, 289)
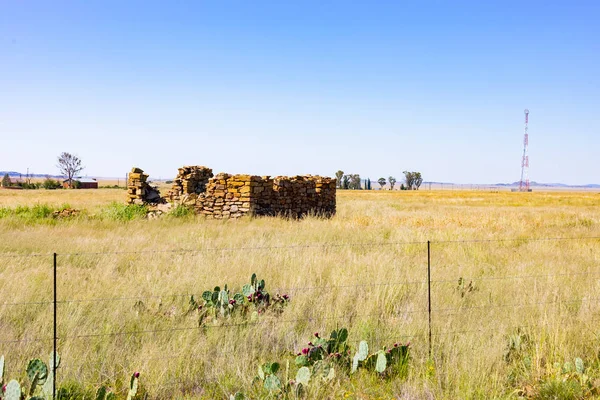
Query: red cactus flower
(4, 388)
(232, 301)
(286, 297)
(316, 334)
(305, 351)
(136, 374)
(395, 344)
(310, 343)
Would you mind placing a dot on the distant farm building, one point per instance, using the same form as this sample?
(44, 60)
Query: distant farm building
(13, 183)
(82, 183)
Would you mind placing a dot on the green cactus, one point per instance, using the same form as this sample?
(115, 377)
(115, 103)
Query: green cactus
(133, 386)
(101, 393)
(381, 363)
(104, 394)
(12, 391)
(303, 376)
(272, 383)
(37, 369)
(579, 365)
(47, 387)
(361, 355)
(37, 372)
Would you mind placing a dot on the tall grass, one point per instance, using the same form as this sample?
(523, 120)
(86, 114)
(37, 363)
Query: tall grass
(123, 212)
(352, 270)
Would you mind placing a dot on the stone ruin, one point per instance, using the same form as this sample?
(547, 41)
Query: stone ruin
(139, 191)
(232, 196)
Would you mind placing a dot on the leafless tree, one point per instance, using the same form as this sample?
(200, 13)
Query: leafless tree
(69, 166)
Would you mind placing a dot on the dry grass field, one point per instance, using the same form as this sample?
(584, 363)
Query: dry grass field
(511, 304)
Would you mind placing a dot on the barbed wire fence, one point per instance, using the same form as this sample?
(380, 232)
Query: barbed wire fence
(428, 321)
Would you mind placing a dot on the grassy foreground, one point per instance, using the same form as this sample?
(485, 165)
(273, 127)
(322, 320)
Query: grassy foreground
(506, 315)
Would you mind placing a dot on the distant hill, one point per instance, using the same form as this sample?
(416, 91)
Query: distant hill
(551, 185)
(16, 174)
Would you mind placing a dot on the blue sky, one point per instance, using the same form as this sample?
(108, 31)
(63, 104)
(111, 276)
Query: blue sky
(273, 88)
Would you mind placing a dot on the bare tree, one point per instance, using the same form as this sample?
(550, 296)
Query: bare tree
(69, 166)
(392, 182)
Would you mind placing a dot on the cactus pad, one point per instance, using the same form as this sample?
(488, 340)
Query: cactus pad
(303, 376)
(37, 370)
(381, 363)
(272, 383)
(12, 391)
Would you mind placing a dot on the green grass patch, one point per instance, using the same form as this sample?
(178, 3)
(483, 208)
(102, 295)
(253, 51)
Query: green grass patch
(181, 212)
(124, 212)
(37, 212)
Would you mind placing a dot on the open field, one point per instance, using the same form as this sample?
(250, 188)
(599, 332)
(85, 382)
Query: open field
(365, 269)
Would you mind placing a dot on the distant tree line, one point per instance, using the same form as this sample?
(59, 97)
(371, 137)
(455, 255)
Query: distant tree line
(412, 181)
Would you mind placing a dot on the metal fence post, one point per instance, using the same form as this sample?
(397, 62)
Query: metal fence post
(54, 346)
(429, 291)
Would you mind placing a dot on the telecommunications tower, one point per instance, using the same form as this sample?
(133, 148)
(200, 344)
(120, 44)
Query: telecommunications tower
(524, 184)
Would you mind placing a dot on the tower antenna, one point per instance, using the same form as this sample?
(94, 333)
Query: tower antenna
(524, 183)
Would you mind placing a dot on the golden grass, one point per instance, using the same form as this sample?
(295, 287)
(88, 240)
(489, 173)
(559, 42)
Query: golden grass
(354, 270)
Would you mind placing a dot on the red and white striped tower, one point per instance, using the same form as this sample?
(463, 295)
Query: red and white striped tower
(524, 184)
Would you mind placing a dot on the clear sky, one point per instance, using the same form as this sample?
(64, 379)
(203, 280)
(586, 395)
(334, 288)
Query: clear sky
(303, 87)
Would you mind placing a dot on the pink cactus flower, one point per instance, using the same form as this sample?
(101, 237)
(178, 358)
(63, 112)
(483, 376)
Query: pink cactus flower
(305, 351)
(136, 374)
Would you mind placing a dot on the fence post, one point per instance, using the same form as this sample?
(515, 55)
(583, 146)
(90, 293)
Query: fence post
(429, 291)
(54, 346)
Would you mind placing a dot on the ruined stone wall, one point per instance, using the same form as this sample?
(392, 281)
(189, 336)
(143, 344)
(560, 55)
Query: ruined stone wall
(190, 180)
(233, 196)
(138, 190)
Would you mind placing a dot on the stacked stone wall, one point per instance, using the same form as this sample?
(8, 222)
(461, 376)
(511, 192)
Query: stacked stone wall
(232, 196)
(190, 181)
(138, 190)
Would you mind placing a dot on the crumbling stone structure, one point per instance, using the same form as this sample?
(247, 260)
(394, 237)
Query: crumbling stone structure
(189, 180)
(138, 190)
(232, 196)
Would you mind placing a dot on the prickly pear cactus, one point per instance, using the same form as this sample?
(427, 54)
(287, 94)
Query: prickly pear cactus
(361, 355)
(381, 362)
(47, 387)
(37, 370)
(104, 394)
(12, 391)
(303, 376)
(133, 385)
(101, 393)
(272, 383)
